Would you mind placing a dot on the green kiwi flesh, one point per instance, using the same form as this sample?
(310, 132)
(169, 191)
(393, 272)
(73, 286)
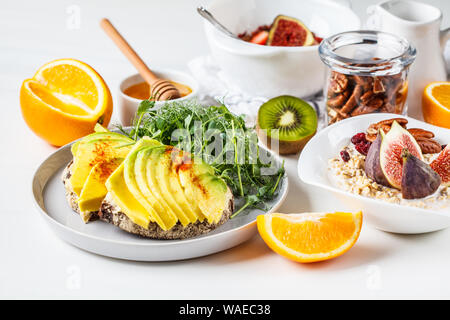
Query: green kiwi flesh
(289, 120)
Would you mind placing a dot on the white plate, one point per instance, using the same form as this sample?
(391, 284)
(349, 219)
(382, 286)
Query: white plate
(105, 239)
(312, 169)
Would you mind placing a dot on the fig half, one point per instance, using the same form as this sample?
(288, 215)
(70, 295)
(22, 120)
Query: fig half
(372, 165)
(392, 145)
(289, 32)
(418, 180)
(442, 165)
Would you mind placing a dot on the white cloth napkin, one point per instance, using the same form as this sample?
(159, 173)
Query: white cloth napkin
(213, 87)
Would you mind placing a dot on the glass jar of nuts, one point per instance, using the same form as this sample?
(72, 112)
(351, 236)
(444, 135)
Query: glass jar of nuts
(367, 73)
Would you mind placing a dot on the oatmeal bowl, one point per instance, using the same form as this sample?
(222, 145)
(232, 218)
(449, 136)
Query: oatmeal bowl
(395, 169)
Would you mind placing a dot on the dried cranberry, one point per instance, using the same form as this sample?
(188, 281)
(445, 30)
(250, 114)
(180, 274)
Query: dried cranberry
(363, 147)
(358, 138)
(344, 155)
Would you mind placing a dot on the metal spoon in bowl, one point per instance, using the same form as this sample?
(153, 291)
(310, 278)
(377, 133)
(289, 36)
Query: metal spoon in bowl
(208, 16)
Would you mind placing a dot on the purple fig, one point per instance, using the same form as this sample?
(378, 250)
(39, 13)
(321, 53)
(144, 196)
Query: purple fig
(418, 179)
(372, 166)
(392, 145)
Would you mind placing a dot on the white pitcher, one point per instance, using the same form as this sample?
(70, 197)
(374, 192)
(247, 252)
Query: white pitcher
(420, 24)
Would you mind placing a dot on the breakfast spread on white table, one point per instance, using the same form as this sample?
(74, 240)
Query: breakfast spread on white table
(367, 111)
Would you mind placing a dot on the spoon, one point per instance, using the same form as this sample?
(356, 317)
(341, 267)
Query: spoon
(160, 89)
(208, 16)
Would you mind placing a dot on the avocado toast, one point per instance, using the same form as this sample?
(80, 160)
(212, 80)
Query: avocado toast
(156, 190)
(145, 187)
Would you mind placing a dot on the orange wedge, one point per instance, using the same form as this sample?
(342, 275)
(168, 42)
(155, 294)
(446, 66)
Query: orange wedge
(436, 104)
(64, 100)
(310, 237)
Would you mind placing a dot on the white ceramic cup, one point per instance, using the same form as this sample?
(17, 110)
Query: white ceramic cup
(128, 105)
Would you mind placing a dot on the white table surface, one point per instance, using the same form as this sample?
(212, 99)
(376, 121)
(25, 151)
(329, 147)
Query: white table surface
(34, 263)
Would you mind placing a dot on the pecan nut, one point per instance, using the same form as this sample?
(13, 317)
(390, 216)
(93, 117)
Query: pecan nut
(378, 86)
(338, 83)
(352, 101)
(339, 100)
(428, 145)
(421, 133)
(370, 107)
(385, 125)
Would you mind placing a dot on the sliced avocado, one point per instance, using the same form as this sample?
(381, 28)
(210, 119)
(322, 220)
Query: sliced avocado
(123, 188)
(99, 128)
(215, 198)
(94, 189)
(148, 183)
(166, 216)
(180, 160)
(188, 204)
(169, 185)
(185, 159)
(133, 174)
(207, 190)
(125, 199)
(74, 148)
(93, 149)
(211, 194)
(129, 174)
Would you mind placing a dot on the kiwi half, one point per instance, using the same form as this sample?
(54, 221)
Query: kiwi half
(289, 120)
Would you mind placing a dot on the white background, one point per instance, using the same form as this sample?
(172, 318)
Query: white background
(34, 263)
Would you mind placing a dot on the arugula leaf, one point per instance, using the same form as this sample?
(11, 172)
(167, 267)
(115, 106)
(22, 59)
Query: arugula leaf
(144, 106)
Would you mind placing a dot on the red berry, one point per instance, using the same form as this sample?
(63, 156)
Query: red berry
(358, 138)
(363, 147)
(345, 156)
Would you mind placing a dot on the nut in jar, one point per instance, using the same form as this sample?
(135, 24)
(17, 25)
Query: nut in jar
(352, 95)
(359, 81)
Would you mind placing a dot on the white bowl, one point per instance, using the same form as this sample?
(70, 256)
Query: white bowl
(128, 105)
(273, 71)
(312, 169)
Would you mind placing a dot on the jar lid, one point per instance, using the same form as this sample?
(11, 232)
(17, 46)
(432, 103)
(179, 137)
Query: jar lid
(367, 53)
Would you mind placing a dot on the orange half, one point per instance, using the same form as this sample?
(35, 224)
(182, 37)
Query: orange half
(64, 101)
(436, 104)
(310, 237)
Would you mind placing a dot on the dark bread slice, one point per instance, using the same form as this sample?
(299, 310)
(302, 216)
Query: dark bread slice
(71, 196)
(111, 212)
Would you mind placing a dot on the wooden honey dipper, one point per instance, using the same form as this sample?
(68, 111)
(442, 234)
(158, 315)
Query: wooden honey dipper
(160, 89)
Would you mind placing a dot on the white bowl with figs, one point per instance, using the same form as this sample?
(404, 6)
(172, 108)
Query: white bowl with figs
(395, 169)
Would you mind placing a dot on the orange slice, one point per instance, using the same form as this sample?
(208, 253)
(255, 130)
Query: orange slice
(436, 104)
(64, 101)
(310, 237)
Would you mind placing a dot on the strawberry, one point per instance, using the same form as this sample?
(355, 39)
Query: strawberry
(260, 38)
